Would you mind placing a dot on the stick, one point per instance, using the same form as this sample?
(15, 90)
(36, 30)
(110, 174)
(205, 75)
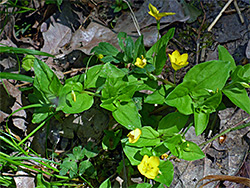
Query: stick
(238, 11)
(134, 18)
(219, 15)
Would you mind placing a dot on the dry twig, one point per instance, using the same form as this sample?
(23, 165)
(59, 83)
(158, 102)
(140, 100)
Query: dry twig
(219, 15)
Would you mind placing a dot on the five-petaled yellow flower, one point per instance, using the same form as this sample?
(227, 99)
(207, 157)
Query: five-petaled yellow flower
(155, 13)
(134, 135)
(141, 62)
(149, 166)
(178, 61)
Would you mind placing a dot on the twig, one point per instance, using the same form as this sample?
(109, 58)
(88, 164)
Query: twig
(236, 127)
(74, 70)
(21, 85)
(134, 18)
(199, 34)
(238, 11)
(219, 15)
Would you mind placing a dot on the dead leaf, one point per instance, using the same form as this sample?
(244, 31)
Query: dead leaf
(236, 179)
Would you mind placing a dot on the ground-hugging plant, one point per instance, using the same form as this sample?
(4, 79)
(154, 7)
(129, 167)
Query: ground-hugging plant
(118, 79)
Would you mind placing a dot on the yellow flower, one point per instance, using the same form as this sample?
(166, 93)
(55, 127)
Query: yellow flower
(100, 56)
(164, 156)
(155, 13)
(134, 135)
(178, 61)
(149, 166)
(141, 62)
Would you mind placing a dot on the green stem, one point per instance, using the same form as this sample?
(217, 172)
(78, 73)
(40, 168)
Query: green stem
(228, 130)
(158, 29)
(91, 93)
(86, 181)
(36, 129)
(187, 129)
(166, 82)
(157, 43)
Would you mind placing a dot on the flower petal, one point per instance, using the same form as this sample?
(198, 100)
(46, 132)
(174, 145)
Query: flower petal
(153, 9)
(176, 54)
(134, 135)
(154, 161)
(183, 58)
(152, 173)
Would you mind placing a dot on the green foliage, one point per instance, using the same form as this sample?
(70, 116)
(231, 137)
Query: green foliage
(76, 168)
(120, 85)
(119, 5)
(28, 62)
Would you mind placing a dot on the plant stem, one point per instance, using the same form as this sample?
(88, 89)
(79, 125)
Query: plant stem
(228, 130)
(86, 181)
(166, 82)
(91, 93)
(158, 29)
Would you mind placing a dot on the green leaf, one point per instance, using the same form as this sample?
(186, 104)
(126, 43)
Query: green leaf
(46, 81)
(127, 115)
(87, 168)
(238, 95)
(106, 184)
(7, 75)
(28, 62)
(121, 38)
(161, 59)
(149, 132)
(159, 95)
(110, 70)
(203, 107)
(209, 75)
(109, 59)
(173, 144)
(224, 55)
(66, 101)
(201, 120)
(70, 166)
(139, 48)
(159, 44)
(160, 149)
(141, 185)
(111, 139)
(117, 9)
(190, 11)
(132, 153)
(90, 151)
(105, 48)
(41, 183)
(78, 152)
(7, 49)
(180, 97)
(167, 173)
(129, 49)
(192, 152)
(172, 123)
(42, 113)
(93, 79)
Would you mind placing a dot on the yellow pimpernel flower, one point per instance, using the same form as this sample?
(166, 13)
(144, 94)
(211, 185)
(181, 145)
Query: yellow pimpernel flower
(141, 62)
(149, 166)
(178, 61)
(155, 13)
(134, 135)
